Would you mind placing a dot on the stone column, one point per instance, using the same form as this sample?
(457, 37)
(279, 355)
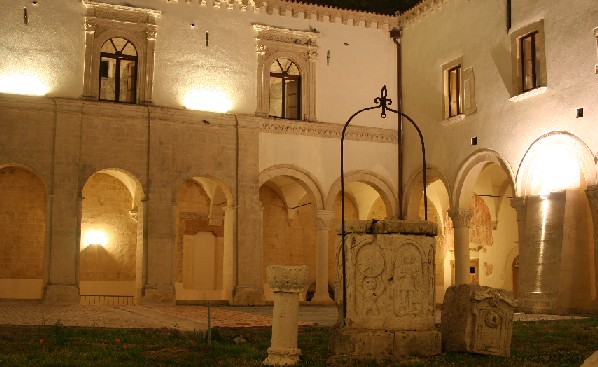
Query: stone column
(286, 283)
(540, 254)
(228, 256)
(461, 218)
(520, 206)
(322, 220)
(592, 193)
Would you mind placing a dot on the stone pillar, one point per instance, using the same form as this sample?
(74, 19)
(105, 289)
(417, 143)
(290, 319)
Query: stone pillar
(286, 283)
(540, 254)
(249, 255)
(592, 193)
(228, 256)
(461, 218)
(322, 220)
(520, 206)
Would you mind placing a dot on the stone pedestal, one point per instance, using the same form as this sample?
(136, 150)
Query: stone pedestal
(286, 283)
(61, 294)
(477, 319)
(389, 293)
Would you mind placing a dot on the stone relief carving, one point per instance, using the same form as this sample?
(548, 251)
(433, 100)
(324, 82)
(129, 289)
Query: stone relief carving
(409, 281)
(328, 130)
(370, 265)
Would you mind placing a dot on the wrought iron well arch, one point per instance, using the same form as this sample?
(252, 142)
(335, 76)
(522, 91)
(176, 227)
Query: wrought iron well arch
(383, 103)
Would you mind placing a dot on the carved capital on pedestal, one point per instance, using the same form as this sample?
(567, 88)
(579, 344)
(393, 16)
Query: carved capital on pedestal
(460, 217)
(323, 219)
(287, 279)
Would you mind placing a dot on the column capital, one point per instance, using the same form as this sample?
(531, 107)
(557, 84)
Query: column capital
(519, 203)
(323, 219)
(460, 217)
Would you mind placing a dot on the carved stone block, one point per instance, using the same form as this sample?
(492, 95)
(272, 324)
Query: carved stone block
(477, 319)
(389, 267)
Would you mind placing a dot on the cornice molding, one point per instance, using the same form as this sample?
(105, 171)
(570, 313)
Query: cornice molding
(328, 130)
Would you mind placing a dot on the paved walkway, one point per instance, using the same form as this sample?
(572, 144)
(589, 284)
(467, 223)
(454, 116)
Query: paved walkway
(180, 317)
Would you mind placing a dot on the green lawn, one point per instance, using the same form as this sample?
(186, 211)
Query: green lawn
(546, 343)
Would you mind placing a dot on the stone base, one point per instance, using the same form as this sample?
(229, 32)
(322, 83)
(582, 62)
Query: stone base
(61, 294)
(365, 344)
(326, 300)
(532, 302)
(248, 296)
(159, 296)
(282, 357)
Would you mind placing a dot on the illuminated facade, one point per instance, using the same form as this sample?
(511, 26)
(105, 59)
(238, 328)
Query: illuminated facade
(169, 151)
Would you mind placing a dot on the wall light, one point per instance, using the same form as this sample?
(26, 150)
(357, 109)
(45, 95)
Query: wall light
(23, 83)
(95, 237)
(556, 168)
(207, 100)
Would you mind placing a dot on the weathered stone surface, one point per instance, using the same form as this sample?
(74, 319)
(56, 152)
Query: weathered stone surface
(389, 292)
(391, 225)
(286, 282)
(477, 319)
(290, 279)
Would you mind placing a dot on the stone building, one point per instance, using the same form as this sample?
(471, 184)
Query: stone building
(166, 151)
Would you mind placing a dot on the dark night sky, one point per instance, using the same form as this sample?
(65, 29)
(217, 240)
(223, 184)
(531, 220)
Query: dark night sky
(377, 6)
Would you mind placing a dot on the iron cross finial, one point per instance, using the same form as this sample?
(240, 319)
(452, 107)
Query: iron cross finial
(383, 102)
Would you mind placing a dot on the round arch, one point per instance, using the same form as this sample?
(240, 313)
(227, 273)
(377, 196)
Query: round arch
(469, 172)
(209, 184)
(29, 169)
(414, 192)
(380, 185)
(551, 150)
(301, 177)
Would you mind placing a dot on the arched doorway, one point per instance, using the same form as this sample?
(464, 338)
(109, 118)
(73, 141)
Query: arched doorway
(203, 240)
(111, 247)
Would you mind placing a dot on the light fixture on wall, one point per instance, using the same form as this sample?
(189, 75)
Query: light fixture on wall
(94, 237)
(211, 100)
(24, 83)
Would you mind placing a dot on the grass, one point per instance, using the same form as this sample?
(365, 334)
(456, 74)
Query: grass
(545, 343)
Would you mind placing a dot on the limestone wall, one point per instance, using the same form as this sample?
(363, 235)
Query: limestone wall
(23, 228)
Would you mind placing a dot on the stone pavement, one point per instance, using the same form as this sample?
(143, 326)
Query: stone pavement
(186, 318)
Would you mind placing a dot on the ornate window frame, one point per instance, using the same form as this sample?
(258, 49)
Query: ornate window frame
(138, 25)
(298, 46)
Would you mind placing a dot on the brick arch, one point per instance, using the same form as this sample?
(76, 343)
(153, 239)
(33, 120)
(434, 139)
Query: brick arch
(383, 188)
(300, 176)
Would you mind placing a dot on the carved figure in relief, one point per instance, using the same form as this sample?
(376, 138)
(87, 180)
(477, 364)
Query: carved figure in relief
(409, 281)
(372, 289)
(370, 265)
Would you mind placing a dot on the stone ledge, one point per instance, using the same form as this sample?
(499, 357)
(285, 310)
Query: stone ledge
(389, 226)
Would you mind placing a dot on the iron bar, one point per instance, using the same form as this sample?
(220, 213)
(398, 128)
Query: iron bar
(382, 103)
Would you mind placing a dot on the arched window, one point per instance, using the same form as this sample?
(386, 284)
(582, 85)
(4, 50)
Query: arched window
(285, 90)
(118, 71)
